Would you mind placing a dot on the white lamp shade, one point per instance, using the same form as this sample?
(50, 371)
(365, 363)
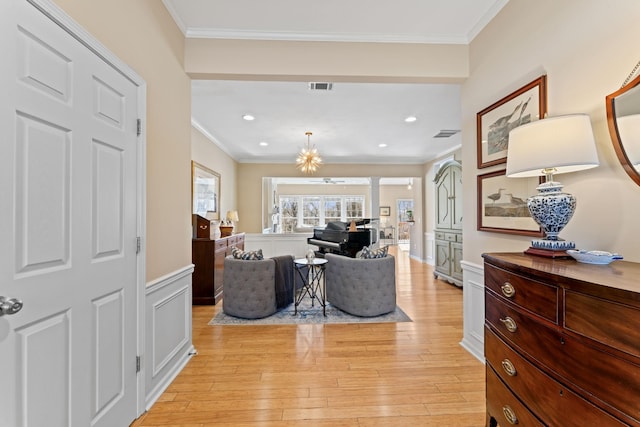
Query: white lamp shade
(565, 143)
(232, 216)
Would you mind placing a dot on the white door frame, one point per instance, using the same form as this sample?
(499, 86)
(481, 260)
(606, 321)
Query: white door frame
(57, 15)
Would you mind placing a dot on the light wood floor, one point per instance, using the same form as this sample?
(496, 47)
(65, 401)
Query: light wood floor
(387, 374)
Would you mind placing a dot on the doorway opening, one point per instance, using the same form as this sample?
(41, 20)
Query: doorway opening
(405, 221)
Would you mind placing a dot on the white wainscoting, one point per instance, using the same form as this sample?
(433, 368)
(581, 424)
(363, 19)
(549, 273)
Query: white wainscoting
(429, 248)
(473, 309)
(278, 244)
(168, 342)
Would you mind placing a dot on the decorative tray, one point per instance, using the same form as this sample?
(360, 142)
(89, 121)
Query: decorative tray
(594, 257)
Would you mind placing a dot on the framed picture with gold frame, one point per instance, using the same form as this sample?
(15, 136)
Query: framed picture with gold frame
(525, 105)
(205, 191)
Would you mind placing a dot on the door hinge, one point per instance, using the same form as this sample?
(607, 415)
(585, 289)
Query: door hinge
(138, 127)
(138, 363)
(138, 244)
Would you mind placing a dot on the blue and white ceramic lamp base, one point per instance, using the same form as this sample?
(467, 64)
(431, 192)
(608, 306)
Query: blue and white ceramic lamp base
(552, 209)
(553, 245)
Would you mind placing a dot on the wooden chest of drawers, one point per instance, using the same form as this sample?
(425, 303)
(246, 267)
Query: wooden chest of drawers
(562, 342)
(208, 256)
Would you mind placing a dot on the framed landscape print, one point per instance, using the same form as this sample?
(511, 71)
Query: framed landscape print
(525, 105)
(205, 191)
(385, 210)
(502, 204)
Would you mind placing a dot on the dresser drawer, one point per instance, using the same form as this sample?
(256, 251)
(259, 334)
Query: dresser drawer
(536, 297)
(518, 328)
(450, 237)
(221, 244)
(555, 404)
(609, 379)
(619, 328)
(236, 240)
(501, 403)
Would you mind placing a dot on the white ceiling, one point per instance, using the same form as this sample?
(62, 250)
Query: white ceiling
(350, 121)
(411, 21)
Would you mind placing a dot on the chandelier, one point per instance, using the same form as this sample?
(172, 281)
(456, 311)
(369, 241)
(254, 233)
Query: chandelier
(308, 160)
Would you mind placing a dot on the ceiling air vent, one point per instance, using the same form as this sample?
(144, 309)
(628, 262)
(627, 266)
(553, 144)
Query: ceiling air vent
(320, 86)
(445, 133)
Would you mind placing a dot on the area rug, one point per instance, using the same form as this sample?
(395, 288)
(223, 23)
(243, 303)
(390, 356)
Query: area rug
(310, 315)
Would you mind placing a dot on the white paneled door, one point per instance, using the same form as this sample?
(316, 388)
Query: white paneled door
(68, 164)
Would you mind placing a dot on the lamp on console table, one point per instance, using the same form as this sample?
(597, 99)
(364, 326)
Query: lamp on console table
(551, 146)
(226, 228)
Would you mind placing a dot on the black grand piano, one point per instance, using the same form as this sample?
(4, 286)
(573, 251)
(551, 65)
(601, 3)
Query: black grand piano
(337, 239)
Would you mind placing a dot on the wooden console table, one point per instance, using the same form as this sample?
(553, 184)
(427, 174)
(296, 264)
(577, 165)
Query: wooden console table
(208, 257)
(562, 342)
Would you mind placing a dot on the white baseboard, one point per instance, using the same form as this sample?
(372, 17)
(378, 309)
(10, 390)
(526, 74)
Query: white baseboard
(153, 395)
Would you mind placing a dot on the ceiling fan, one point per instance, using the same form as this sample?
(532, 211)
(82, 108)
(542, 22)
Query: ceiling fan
(332, 181)
(325, 181)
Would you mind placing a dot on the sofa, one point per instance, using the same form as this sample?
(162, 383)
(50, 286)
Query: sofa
(361, 287)
(257, 288)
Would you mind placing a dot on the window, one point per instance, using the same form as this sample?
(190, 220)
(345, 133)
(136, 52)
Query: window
(405, 210)
(310, 211)
(305, 211)
(289, 213)
(354, 208)
(405, 214)
(332, 209)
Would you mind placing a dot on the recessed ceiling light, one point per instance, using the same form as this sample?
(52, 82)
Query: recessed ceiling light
(264, 144)
(411, 119)
(248, 117)
(382, 145)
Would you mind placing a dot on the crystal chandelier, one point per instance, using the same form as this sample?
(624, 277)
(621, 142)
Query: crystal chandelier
(308, 160)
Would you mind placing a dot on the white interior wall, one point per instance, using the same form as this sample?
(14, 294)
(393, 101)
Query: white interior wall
(583, 48)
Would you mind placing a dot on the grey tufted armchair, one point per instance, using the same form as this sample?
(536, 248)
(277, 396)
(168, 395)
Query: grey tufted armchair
(249, 290)
(362, 287)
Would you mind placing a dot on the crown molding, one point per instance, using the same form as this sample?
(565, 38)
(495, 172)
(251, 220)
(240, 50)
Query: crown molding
(208, 33)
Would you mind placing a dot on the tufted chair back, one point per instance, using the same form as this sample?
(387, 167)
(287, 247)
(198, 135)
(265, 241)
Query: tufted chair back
(249, 290)
(362, 287)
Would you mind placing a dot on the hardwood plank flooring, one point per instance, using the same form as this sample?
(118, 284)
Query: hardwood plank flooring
(351, 375)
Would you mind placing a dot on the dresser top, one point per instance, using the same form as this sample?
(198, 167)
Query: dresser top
(619, 280)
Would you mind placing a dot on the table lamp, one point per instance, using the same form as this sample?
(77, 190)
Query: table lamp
(226, 228)
(232, 217)
(546, 147)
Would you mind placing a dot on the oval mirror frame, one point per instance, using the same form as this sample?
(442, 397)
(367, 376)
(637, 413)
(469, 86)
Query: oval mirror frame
(618, 143)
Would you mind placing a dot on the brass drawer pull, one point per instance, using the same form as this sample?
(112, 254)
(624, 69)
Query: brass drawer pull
(510, 324)
(508, 367)
(508, 290)
(510, 415)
